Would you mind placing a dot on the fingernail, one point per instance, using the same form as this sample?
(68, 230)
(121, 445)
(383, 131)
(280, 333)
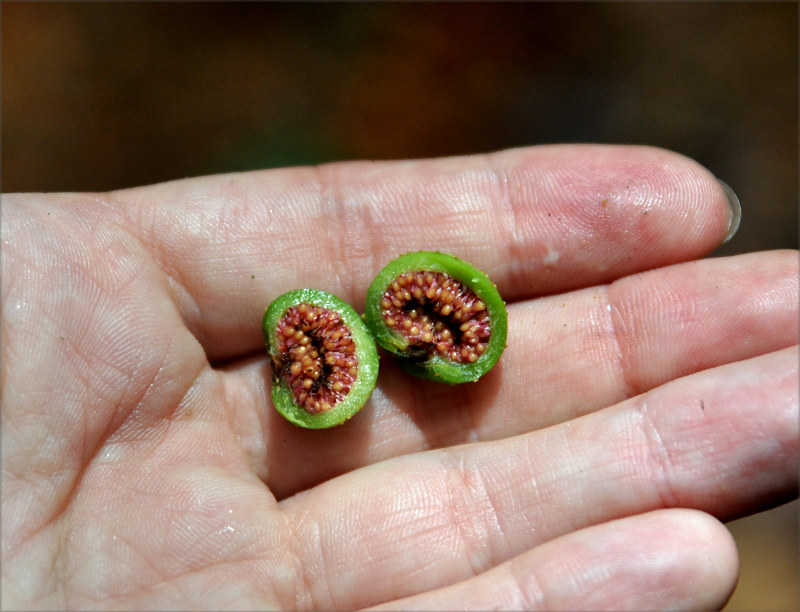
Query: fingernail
(736, 210)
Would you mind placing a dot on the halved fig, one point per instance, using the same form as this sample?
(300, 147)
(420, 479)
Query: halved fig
(324, 360)
(441, 317)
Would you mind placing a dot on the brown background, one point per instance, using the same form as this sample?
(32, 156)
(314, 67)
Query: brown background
(98, 96)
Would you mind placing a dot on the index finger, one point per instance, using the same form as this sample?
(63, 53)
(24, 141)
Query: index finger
(536, 220)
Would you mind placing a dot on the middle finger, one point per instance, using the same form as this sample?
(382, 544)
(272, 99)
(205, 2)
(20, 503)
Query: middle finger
(568, 355)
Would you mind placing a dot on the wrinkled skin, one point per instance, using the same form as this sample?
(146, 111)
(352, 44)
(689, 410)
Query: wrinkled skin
(643, 400)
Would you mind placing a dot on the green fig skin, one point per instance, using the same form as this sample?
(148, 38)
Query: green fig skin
(415, 359)
(365, 350)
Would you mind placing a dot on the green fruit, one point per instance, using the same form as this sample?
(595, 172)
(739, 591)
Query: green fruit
(442, 318)
(324, 361)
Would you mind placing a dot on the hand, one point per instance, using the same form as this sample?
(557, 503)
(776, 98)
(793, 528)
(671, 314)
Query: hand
(640, 401)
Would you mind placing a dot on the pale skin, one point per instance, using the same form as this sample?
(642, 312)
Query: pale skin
(644, 397)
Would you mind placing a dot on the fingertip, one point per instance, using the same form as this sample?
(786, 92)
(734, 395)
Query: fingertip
(697, 563)
(704, 211)
(665, 559)
(712, 570)
(587, 214)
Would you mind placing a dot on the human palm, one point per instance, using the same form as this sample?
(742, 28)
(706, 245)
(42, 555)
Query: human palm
(639, 397)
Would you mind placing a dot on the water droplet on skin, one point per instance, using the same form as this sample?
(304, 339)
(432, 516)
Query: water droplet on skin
(551, 257)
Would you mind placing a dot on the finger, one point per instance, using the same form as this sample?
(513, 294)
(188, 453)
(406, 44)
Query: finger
(631, 336)
(662, 560)
(724, 441)
(537, 220)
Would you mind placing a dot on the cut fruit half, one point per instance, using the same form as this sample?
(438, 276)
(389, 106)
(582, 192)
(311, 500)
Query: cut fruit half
(324, 360)
(441, 317)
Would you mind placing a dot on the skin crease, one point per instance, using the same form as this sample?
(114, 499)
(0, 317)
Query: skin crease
(643, 398)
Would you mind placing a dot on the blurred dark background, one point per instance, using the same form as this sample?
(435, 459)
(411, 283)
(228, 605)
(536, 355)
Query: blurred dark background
(97, 96)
